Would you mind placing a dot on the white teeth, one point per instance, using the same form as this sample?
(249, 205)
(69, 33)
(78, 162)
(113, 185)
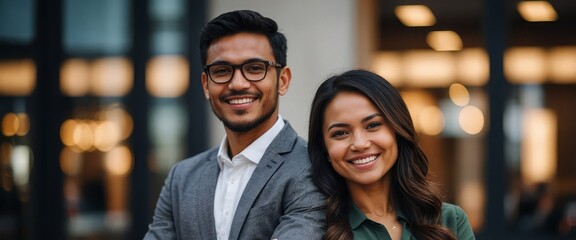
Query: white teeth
(241, 100)
(364, 160)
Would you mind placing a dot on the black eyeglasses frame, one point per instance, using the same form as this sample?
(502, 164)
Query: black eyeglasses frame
(240, 66)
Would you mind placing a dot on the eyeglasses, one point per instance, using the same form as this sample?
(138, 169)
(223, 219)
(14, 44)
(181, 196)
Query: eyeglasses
(253, 71)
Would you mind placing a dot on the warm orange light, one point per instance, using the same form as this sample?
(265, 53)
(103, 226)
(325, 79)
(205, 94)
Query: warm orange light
(167, 76)
(121, 118)
(112, 77)
(423, 68)
(5, 153)
(10, 124)
(471, 198)
(561, 64)
(525, 65)
(106, 135)
(472, 66)
(70, 161)
(118, 161)
(67, 132)
(417, 102)
(537, 11)
(15, 124)
(389, 66)
(75, 77)
(83, 136)
(444, 41)
(471, 120)
(24, 124)
(17, 77)
(431, 120)
(415, 15)
(427, 68)
(538, 155)
(459, 94)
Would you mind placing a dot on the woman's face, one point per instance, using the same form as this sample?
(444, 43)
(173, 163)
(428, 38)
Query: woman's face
(361, 145)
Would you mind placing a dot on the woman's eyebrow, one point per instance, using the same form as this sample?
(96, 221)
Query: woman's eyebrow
(371, 116)
(367, 118)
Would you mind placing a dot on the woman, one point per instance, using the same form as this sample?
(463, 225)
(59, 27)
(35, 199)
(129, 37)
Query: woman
(365, 158)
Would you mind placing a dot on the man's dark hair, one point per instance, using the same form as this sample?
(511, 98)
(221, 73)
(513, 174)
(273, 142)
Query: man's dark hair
(243, 21)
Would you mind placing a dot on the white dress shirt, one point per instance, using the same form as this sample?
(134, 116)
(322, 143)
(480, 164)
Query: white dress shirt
(234, 176)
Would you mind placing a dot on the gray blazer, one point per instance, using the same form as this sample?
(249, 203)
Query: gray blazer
(280, 201)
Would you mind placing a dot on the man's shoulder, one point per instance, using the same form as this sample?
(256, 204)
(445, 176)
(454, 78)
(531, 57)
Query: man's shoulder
(210, 153)
(196, 161)
(288, 140)
(293, 144)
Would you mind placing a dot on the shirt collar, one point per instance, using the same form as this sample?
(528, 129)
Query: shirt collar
(357, 217)
(256, 149)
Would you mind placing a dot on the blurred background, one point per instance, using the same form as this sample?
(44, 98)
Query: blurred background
(99, 98)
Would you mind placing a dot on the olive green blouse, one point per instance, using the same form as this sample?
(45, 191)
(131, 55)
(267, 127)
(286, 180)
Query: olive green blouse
(453, 217)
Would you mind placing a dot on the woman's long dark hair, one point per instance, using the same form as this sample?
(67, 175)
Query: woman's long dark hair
(411, 190)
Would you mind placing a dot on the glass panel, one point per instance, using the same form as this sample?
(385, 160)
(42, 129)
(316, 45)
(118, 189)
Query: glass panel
(96, 27)
(17, 21)
(167, 81)
(97, 158)
(539, 119)
(446, 88)
(17, 83)
(97, 162)
(16, 159)
(441, 69)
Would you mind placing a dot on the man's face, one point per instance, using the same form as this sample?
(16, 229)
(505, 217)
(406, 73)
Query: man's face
(240, 104)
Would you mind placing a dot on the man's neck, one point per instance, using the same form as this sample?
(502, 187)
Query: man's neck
(238, 141)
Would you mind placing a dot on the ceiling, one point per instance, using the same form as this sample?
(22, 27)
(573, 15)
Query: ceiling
(467, 19)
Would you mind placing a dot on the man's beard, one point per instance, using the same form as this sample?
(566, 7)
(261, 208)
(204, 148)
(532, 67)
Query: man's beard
(245, 127)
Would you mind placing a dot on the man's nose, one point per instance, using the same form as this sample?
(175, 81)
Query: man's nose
(238, 80)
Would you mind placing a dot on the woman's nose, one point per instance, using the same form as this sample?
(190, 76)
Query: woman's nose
(360, 142)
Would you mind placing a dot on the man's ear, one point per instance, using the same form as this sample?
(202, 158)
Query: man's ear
(204, 78)
(284, 80)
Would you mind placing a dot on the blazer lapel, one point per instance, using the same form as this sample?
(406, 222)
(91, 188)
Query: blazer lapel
(205, 211)
(269, 163)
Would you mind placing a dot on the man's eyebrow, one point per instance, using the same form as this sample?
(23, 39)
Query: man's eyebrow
(246, 61)
(219, 62)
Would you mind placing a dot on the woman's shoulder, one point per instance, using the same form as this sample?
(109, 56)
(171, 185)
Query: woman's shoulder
(454, 217)
(452, 210)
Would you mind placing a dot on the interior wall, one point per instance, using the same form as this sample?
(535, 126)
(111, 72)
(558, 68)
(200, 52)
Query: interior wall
(321, 41)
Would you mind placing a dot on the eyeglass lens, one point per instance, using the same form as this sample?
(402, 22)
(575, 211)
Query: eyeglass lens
(253, 71)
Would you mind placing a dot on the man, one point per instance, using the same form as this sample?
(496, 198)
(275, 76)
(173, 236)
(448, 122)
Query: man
(257, 183)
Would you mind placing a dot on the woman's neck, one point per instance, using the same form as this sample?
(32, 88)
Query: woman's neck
(374, 198)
